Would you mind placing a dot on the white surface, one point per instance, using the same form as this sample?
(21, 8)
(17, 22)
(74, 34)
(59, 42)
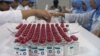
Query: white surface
(89, 44)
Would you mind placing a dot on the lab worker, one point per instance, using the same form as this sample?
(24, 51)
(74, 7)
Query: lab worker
(96, 17)
(23, 4)
(77, 6)
(16, 16)
(93, 17)
(87, 2)
(84, 6)
(14, 5)
(56, 7)
(20, 7)
(31, 4)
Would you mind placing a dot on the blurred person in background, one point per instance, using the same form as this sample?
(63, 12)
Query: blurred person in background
(23, 5)
(16, 16)
(92, 17)
(84, 6)
(56, 7)
(14, 5)
(78, 6)
(87, 2)
(32, 3)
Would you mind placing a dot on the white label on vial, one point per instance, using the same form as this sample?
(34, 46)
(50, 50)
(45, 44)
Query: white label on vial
(34, 51)
(24, 52)
(42, 51)
(70, 50)
(76, 48)
(73, 49)
(50, 51)
(16, 52)
(59, 51)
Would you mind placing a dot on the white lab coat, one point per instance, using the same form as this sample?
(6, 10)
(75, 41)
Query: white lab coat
(96, 23)
(82, 19)
(11, 9)
(95, 26)
(20, 7)
(14, 9)
(27, 8)
(10, 16)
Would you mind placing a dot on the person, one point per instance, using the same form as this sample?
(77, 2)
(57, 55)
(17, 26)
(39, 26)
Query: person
(16, 16)
(31, 4)
(56, 6)
(4, 5)
(87, 2)
(23, 5)
(84, 6)
(27, 4)
(20, 7)
(92, 18)
(14, 5)
(77, 6)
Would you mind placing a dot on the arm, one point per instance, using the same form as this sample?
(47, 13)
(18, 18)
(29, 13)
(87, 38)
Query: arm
(66, 10)
(17, 16)
(38, 13)
(81, 18)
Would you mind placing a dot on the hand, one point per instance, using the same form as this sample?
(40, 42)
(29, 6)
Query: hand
(43, 14)
(97, 33)
(57, 14)
(38, 13)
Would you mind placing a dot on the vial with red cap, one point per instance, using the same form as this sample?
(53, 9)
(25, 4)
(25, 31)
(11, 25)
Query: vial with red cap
(65, 37)
(21, 48)
(35, 40)
(20, 41)
(73, 47)
(75, 44)
(50, 40)
(42, 41)
(58, 47)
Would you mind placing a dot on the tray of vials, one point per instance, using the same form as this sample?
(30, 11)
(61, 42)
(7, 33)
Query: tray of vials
(45, 40)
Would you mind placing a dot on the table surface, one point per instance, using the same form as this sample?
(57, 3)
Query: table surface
(89, 43)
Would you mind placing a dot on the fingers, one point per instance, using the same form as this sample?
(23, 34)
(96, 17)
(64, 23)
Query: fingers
(46, 19)
(97, 33)
(47, 16)
(54, 14)
(43, 14)
(57, 14)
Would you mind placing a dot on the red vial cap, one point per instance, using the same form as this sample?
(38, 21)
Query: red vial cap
(74, 37)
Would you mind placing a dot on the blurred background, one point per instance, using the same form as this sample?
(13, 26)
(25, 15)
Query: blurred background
(42, 3)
